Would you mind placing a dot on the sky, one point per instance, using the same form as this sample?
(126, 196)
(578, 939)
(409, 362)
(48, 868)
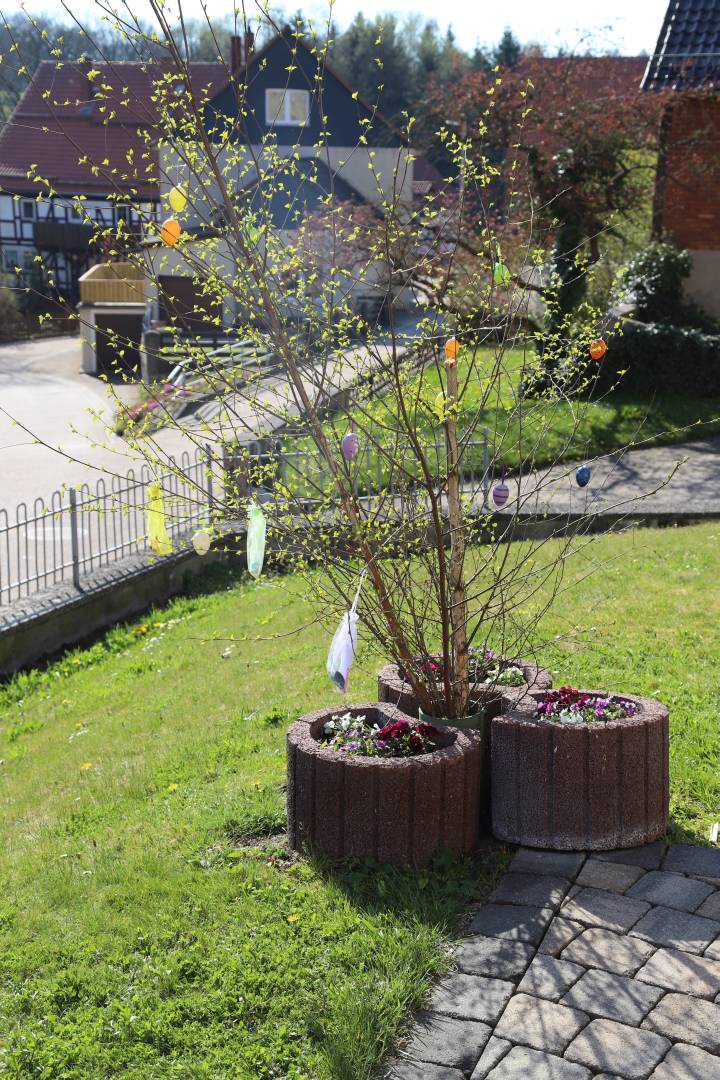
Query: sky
(628, 26)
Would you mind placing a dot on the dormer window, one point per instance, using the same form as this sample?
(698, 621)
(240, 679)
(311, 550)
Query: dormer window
(290, 108)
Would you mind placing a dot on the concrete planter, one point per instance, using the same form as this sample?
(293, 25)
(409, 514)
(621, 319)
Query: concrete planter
(393, 689)
(395, 810)
(591, 787)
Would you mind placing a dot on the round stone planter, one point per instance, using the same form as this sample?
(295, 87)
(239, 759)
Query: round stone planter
(590, 787)
(394, 810)
(393, 689)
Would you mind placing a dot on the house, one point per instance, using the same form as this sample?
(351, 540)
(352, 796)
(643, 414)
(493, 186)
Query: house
(294, 135)
(89, 130)
(686, 65)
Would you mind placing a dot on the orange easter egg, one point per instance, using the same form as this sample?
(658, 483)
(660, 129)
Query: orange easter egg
(598, 349)
(452, 348)
(170, 232)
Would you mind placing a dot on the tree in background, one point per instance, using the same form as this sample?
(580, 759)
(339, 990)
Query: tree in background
(396, 497)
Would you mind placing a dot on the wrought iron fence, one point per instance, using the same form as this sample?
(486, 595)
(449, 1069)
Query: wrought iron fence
(76, 532)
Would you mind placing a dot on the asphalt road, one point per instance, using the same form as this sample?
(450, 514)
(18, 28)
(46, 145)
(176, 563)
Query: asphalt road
(44, 396)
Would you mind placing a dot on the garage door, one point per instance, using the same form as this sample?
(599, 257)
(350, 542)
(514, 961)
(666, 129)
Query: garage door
(117, 344)
(182, 303)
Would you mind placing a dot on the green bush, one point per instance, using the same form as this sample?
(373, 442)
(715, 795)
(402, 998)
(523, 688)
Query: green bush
(651, 358)
(11, 321)
(655, 277)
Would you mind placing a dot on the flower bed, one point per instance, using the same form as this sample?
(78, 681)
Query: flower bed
(492, 693)
(592, 773)
(396, 809)
(348, 734)
(569, 706)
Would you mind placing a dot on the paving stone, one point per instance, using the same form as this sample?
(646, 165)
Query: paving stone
(525, 1064)
(678, 929)
(494, 1052)
(618, 1049)
(687, 1019)
(456, 1044)
(710, 908)
(549, 978)
(540, 1024)
(559, 934)
(681, 971)
(554, 863)
(671, 890)
(496, 957)
(413, 1070)
(594, 907)
(612, 877)
(608, 951)
(516, 922)
(613, 997)
(686, 859)
(714, 951)
(537, 890)
(470, 997)
(649, 856)
(688, 1063)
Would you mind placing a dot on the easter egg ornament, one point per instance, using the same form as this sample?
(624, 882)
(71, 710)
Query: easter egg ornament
(158, 538)
(452, 348)
(255, 543)
(598, 348)
(201, 541)
(501, 492)
(177, 199)
(582, 475)
(501, 274)
(350, 444)
(170, 232)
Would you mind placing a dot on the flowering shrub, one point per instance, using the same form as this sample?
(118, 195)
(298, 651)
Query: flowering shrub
(355, 735)
(570, 706)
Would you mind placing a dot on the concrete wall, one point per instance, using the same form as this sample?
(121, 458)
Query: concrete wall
(124, 590)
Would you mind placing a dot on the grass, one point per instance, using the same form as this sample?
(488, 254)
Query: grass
(151, 924)
(549, 431)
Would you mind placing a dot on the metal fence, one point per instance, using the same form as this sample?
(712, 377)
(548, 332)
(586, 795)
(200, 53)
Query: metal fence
(76, 532)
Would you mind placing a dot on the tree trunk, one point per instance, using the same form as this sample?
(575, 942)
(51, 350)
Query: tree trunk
(460, 685)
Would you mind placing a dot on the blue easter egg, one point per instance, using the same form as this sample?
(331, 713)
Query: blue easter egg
(582, 475)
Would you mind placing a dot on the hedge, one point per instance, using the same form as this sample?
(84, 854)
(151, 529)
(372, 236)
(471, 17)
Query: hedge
(651, 358)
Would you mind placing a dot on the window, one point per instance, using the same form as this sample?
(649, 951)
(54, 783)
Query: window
(123, 214)
(11, 258)
(75, 214)
(289, 107)
(28, 210)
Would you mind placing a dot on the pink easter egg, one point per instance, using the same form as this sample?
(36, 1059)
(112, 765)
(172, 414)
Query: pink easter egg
(350, 445)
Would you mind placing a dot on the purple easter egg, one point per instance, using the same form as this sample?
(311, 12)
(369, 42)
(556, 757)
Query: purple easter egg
(350, 445)
(501, 493)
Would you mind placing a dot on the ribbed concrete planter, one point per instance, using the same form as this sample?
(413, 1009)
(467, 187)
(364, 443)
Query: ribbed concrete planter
(590, 787)
(393, 689)
(395, 810)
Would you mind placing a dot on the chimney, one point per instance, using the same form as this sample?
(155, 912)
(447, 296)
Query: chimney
(236, 51)
(240, 49)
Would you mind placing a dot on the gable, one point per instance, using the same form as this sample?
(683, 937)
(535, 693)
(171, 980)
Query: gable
(345, 117)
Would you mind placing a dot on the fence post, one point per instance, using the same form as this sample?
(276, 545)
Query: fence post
(74, 546)
(210, 492)
(486, 468)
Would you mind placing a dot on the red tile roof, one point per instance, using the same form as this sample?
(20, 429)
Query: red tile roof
(64, 129)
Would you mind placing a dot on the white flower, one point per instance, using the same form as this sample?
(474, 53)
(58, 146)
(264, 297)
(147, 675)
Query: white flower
(329, 727)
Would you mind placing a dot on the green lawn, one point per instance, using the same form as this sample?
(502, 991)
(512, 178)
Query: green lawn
(149, 924)
(546, 432)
